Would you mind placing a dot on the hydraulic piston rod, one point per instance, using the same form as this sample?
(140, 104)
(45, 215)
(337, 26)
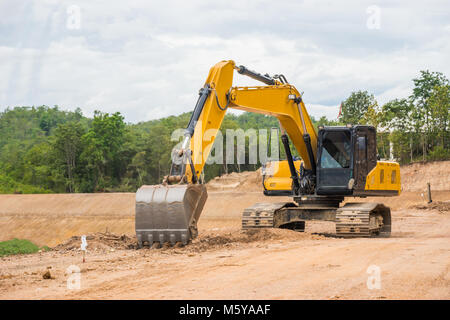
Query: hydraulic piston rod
(257, 76)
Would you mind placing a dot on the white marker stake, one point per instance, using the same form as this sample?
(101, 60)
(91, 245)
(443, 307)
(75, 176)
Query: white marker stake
(83, 246)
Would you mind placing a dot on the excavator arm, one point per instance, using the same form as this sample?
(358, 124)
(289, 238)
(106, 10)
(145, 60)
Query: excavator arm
(281, 100)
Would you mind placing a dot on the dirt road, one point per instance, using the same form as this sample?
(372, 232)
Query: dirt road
(227, 264)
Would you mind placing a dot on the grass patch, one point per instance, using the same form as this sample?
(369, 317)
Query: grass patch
(19, 246)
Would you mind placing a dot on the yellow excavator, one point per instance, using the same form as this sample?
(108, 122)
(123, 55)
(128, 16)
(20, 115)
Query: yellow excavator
(337, 162)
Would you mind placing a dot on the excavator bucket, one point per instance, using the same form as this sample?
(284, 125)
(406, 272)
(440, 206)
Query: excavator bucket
(168, 213)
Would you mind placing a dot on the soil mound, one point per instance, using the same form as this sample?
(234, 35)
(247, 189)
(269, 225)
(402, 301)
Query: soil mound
(102, 242)
(441, 206)
(213, 240)
(99, 242)
(414, 177)
(247, 180)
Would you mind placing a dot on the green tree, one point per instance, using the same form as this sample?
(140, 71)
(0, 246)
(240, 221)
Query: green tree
(422, 91)
(68, 147)
(323, 121)
(101, 153)
(396, 123)
(439, 104)
(356, 106)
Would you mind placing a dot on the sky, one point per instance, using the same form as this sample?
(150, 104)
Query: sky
(147, 59)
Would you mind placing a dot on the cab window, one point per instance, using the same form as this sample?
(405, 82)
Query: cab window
(336, 150)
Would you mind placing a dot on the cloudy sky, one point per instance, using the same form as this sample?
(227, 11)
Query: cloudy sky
(147, 59)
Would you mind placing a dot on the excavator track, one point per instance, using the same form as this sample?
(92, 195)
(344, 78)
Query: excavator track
(260, 215)
(363, 220)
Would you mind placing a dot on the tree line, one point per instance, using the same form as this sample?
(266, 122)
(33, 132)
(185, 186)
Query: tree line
(45, 149)
(418, 126)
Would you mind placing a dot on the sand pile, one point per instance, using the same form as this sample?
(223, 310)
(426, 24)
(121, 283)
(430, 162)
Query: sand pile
(414, 177)
(247, 180)
(441, 206)
(216, 240)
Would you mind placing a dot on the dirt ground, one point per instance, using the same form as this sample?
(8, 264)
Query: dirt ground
(224, 262)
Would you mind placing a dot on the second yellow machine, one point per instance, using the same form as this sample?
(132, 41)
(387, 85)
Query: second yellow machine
(337, 162)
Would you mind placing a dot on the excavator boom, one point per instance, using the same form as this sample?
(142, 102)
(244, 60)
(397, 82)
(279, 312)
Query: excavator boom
(281, 100)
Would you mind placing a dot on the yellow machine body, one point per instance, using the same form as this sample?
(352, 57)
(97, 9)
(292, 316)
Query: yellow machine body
(385, 176)
(277, 177)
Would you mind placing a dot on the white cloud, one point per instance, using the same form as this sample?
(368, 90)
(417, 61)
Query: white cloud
(317, 111)
(148, 60)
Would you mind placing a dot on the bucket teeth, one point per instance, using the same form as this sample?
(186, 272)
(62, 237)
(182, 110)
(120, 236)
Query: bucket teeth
(156, 245)
(172, 239)
(165, 245)
(168, 213)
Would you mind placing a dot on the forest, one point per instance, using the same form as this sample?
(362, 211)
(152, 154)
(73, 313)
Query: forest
(49, 150)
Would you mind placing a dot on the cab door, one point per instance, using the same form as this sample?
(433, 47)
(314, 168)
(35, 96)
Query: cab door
(360, 160)
(364, 154)
(335, 161)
